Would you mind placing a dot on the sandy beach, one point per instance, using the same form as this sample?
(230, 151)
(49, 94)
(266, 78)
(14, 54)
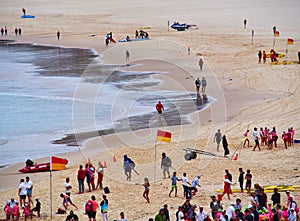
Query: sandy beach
(245, 95)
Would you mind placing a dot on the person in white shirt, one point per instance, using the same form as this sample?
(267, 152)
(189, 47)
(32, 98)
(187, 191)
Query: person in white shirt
(292, 216)
(201, 215)
(22, 192)
(180, 216)
(68, 186)
(230, 212)
(122, 217)
(29, 186)
(256, 139)
(186, 191)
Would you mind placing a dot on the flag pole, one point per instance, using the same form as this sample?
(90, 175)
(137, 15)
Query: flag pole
(155, 162)
(51, 187)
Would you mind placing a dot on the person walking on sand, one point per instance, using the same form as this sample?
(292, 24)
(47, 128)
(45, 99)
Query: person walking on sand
(218, 138)
(256, 139)
(200, 63)
(147, 189)
(174, 179)
(166, 163)
(246, 140)
(204, 84)
(225, 146)
(24, 11)
(259, 56)
(128, 165)
(58, 35)
(227, 187)
(160, 108)
(127, 55)
(245, 23)
(198, 85)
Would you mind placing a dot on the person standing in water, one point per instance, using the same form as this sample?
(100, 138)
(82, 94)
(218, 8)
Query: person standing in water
(160, 108)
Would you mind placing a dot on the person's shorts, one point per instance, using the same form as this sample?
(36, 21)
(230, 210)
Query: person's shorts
(92, 214)
(256, 141)
(270, 141)
(159, 112)
(165, 168)
(193, 188)
(68, 200)
(29, 193)
(23, 197)
(174, 186)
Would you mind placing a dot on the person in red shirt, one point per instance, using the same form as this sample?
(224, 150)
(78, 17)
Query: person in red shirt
(80, 178)
(160, 109)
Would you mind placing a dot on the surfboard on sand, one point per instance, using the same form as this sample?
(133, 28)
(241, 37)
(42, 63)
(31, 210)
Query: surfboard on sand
(135, 39)
(27, 16)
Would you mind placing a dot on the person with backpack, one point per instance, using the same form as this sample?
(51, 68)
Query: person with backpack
(166, 163)
(104, 208)
(91, 208)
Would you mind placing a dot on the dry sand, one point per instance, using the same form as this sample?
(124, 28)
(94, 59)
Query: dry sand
(248, 94)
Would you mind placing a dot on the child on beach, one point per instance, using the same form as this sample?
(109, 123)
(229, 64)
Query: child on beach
(174, 179)
(147, 189)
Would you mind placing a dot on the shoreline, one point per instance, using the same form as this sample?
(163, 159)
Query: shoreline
(76, 139)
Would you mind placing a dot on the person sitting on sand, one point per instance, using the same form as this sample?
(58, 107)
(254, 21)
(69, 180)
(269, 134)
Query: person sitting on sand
(67, 200)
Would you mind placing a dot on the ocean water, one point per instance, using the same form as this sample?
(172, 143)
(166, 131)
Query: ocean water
(46, 92)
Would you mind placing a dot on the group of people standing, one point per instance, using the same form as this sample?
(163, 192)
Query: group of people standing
(12, 207)
(200, 83)
(88, 174)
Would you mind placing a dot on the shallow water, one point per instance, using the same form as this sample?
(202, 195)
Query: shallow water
(46, 92)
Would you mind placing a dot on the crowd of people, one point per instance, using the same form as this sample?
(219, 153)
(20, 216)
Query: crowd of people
(263, 137)
(258, 208)
(25, 206)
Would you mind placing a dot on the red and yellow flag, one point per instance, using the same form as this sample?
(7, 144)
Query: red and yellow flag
(290, 41)
(57, 163)
(163, 136)
(277, 33)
